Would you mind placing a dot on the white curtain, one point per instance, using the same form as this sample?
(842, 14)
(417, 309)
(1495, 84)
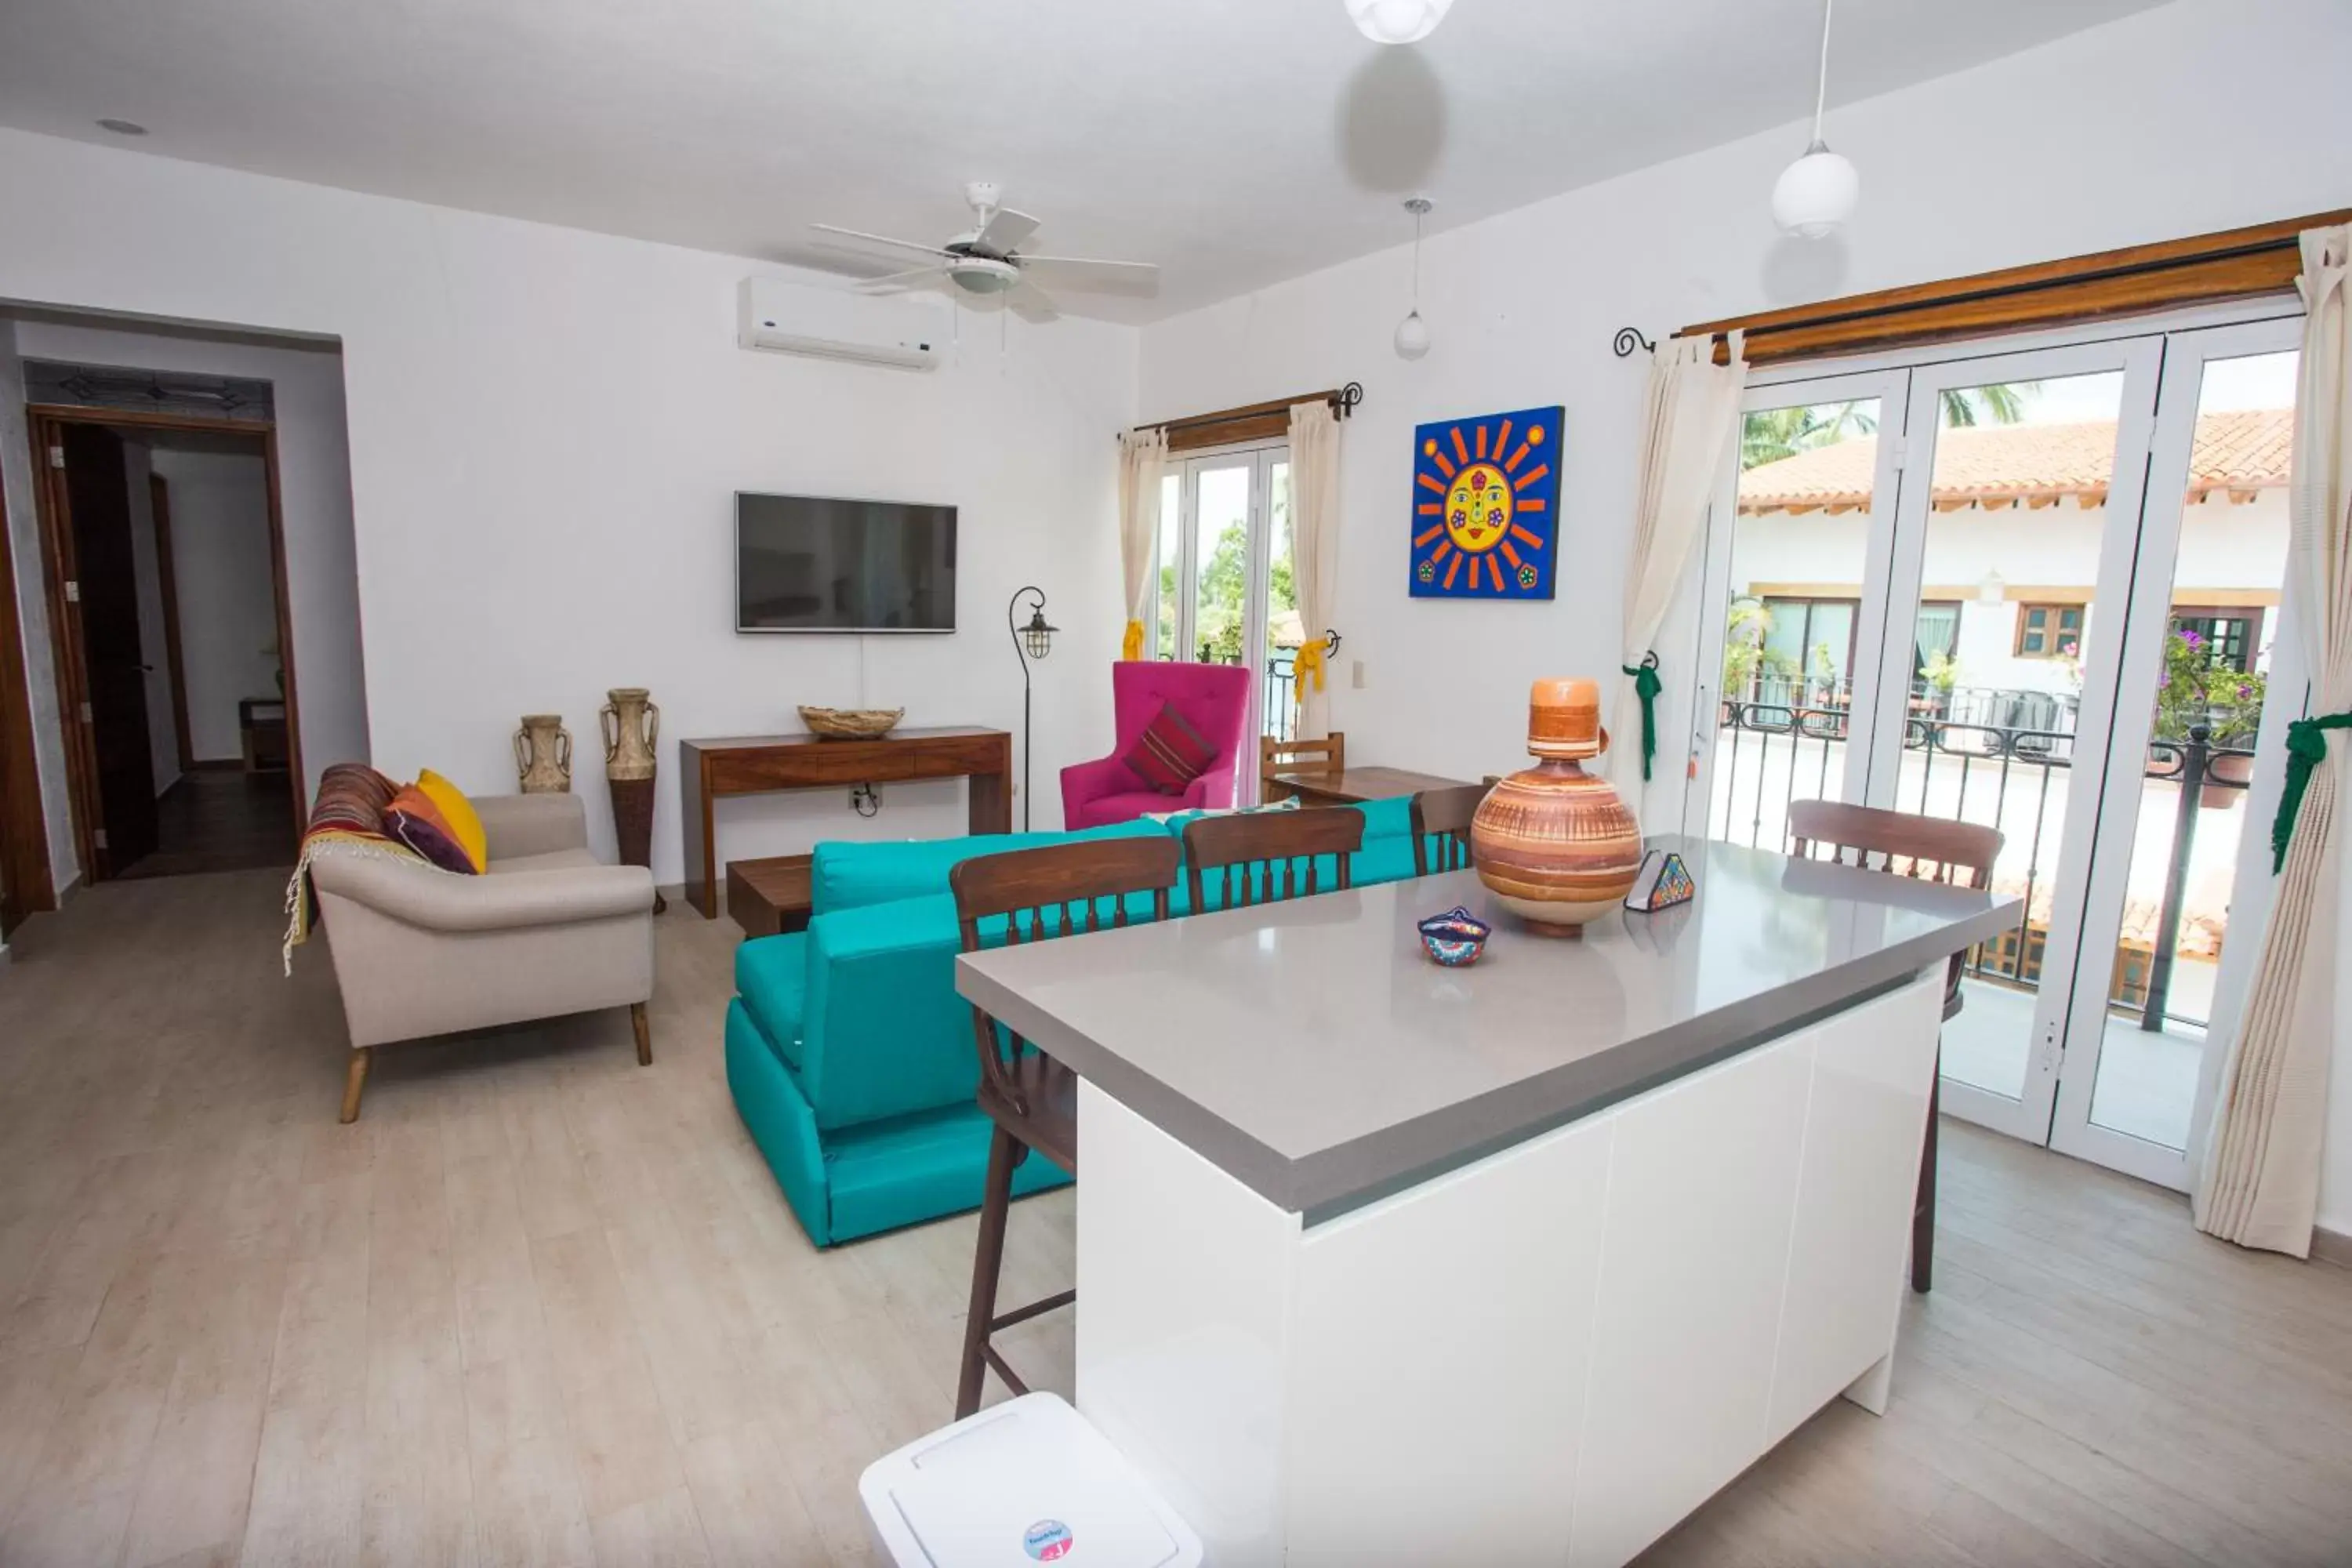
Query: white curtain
(2259, 1183)
(1143, 455)
(1689, 419)
(1313, 548)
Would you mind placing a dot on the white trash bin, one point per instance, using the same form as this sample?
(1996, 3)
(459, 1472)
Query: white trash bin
(1022, 1482)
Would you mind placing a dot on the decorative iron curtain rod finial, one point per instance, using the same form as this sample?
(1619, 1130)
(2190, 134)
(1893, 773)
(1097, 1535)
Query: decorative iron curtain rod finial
(1631, 337)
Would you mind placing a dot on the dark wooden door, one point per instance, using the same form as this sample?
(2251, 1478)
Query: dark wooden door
(114, 668)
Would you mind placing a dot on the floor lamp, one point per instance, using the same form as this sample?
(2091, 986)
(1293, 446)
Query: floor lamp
(1033, 641)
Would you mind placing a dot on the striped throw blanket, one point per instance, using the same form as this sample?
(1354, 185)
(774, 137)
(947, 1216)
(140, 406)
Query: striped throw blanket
(346, 819)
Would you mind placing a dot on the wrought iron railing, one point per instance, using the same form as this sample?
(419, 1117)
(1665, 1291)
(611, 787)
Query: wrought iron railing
(1972, 767)
(1278, 700)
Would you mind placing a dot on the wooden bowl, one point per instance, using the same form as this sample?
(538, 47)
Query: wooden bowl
(852, 723)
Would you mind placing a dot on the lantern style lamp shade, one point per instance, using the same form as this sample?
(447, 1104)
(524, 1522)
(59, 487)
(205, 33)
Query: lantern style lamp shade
(1397, 21)
(1037, 637)
(1815, 193)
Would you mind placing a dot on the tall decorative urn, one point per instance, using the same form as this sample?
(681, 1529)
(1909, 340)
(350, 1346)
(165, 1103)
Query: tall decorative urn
(631, 724)
(1556, 844)
(543, 754)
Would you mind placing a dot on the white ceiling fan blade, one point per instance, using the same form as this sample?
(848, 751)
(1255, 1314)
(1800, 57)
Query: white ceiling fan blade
(892, 283)
(1031, 303)
(1093, 275)
(1006, 229)
(880, 241)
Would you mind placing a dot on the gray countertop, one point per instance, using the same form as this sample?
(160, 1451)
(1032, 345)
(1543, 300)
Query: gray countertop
(1313, 1052)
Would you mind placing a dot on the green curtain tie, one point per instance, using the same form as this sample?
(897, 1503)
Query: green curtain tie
(1646, 686)
(2306, 747)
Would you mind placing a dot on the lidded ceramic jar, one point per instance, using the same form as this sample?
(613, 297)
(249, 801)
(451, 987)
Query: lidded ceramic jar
(1555, 844)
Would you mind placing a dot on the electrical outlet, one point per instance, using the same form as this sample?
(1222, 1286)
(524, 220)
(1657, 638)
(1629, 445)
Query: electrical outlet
(1355, 675)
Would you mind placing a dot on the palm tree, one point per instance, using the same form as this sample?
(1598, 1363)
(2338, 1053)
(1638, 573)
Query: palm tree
(2002, 403)
(1772, 434)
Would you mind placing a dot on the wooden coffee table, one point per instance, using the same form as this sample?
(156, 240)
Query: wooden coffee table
(769, 897)
(1352, 787)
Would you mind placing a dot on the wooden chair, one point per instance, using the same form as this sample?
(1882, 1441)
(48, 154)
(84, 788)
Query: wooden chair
(1061, 890)
(1441, 827)
(1928, 848)
(1328, 755)
(1286, 844)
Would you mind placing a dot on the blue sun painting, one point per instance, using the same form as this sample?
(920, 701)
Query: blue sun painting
(1486, 506)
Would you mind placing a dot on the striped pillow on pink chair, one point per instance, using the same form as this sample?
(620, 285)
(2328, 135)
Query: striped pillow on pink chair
(1169, 754)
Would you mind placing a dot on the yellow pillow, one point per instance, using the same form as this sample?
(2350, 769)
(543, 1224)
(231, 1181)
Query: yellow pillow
(464, 821)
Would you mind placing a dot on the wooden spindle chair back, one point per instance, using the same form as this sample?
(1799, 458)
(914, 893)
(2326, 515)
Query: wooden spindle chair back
(1060, 890)
(1327, 755)
(1264, 857)
(1441, 827)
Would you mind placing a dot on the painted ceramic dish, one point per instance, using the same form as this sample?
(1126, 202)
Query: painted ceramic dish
(1455, 938)
(1554, 843)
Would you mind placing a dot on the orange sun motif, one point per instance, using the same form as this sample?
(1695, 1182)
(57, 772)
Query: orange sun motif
(1478, 507)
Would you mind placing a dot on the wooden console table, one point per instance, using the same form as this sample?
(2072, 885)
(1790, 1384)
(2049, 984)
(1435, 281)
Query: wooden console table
(709, 770)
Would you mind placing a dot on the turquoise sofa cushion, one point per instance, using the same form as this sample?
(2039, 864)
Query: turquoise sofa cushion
(846, 874)
(772, 976)
(1390, 818)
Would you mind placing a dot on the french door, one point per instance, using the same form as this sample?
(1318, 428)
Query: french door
(2040, 591)
(1225, 594)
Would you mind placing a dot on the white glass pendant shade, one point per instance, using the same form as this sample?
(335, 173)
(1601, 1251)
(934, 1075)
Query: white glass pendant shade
(1816, 194)
(1398, 21)
(1411, 337)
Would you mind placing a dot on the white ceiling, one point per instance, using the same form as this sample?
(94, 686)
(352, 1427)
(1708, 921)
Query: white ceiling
(1235, 141)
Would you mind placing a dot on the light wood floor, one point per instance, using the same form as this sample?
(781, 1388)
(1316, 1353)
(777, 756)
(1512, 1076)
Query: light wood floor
(542, 1305)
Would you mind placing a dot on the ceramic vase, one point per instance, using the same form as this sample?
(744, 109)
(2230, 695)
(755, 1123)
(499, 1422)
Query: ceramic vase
(543, 754)
(1555, 844)
(631, 724)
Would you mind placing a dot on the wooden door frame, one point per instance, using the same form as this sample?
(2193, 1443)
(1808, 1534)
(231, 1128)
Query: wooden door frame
(45, 423)
(24, 830)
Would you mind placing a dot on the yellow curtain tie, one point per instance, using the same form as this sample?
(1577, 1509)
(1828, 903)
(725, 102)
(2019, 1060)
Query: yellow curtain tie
(1309, 667)
(1133, 648)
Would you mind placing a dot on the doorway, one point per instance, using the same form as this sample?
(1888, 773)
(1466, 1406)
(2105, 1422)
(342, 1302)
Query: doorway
(164, 567)
(1225, 594)
(2051, 584)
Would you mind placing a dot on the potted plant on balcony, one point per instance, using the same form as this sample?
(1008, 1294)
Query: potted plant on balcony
(2199, 686)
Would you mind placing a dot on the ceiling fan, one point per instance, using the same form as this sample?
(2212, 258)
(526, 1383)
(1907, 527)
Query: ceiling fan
(986, 260)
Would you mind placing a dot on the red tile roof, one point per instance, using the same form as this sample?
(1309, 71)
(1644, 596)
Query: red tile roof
(2242, 451)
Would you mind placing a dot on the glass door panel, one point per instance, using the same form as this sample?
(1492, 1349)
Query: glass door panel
(1221, 550)
(2019, 537)
(1790, 584)
(2176, 819)
(1168, 631)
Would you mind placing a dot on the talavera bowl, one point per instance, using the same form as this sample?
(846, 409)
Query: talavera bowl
(1455, 938)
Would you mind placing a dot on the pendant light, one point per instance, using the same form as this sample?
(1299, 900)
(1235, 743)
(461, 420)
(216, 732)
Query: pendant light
(1398, 21)
(1818, 192)
(1413, 332)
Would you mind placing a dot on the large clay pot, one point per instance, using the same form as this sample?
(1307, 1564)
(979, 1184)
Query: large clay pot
(543, 754)
(1554, 843)
(631, 724)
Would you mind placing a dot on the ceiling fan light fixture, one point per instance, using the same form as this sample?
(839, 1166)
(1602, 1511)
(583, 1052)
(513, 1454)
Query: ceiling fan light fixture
(1397, 21)
(982, 275)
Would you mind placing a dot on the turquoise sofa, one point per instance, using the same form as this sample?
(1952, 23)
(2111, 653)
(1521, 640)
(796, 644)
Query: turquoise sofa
(850, 1055)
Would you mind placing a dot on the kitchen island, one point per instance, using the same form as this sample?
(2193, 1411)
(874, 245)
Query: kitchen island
(1382, 1262)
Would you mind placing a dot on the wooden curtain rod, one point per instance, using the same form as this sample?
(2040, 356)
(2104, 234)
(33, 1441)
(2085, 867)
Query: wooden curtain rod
(1252, 422)
(2234, 264)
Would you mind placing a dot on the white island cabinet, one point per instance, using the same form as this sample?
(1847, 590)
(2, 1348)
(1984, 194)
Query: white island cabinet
(1385, 1263)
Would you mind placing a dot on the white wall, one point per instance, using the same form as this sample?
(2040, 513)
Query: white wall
(32, 616)
(546, 431)
(2111, 137)
(313, 472)
(228, 605)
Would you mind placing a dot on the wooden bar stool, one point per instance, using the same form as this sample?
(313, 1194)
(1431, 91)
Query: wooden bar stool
(1058, 891)
(1930, 850)
(1286, 844)
(1441, 827)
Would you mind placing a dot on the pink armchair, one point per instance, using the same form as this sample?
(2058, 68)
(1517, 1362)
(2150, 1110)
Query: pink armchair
(1213, 699)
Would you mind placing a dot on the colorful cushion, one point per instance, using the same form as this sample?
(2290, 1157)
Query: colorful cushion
(1169, 754)
(414, 820)
(464, 823)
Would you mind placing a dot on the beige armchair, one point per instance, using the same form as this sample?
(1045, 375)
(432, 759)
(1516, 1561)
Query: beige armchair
(548, 929)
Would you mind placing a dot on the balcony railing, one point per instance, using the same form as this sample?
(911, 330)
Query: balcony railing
(1993, 756)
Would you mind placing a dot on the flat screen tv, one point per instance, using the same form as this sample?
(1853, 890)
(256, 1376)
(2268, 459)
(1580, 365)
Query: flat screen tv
(809, 564)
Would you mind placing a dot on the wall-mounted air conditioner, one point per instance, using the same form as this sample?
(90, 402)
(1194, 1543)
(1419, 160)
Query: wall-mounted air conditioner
(908, 330)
